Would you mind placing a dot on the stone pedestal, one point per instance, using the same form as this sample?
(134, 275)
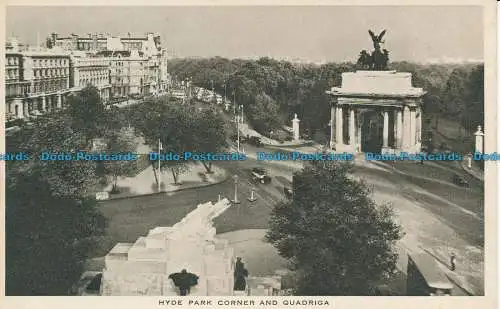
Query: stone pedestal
(384, 92)
(296, 128)
(143, 268)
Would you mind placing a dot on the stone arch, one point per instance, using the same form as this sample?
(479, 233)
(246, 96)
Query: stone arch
(372, 126)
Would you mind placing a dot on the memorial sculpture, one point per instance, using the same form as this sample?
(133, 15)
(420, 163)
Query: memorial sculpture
(240, 275)
(151, 265)
(378, 59)
(184, 281)
(376, 110)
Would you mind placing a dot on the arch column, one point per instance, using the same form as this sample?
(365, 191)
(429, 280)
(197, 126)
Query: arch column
(338, 126)
(26, 104)
(413, 127)
(406, 128)
(352, 127)
(332, 127)
(398, 132)
(44, 104)
(386, 129)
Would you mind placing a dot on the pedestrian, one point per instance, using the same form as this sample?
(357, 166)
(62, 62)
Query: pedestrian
(453, 259)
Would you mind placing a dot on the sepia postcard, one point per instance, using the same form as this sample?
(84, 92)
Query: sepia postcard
(268, 154)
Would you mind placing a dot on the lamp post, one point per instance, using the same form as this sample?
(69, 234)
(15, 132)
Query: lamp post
(241, 118)
(235, 201)
(160, 148)
(238, 133)
(234, 104)
(225, 93)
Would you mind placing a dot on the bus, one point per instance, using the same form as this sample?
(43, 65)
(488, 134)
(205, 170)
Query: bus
(425, 278)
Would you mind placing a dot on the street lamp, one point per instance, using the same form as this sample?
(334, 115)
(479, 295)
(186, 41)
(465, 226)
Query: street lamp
(238, 132)
(160, 148)
(225, 93)
(241, 118)
(235, 201)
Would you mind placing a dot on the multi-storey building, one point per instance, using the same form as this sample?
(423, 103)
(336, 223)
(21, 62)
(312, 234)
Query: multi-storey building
(40, 80)
(36, 81)
(91, 70)
(151, 68)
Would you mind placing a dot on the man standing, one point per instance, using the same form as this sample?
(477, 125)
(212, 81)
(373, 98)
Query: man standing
(453, 260)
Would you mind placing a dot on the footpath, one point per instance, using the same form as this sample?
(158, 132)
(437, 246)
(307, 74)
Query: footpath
(145, 182)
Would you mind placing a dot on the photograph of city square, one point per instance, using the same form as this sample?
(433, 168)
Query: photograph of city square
(244, 151)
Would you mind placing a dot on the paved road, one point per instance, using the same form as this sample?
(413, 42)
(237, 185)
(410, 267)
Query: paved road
(145, 212)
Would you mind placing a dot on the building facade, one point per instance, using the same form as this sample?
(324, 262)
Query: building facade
(36, 81)
(40, 79)
(93, 71)
(151, 68)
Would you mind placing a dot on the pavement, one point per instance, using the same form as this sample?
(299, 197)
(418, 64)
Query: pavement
(145, 182)
(473, 170)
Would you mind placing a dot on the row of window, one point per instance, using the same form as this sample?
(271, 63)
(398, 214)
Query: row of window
(12, 60)
(11, 74)
(50, 86)
(50, 62)
(85, 73)
(21, 90)
(93, 81)
(51, 72)
(90, 45)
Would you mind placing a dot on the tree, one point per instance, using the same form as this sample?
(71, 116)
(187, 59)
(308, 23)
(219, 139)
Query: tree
(264, 114)
(210, 134)
(48, 236)
(339, 241)
(50, 222)
(53, 133)
(173, 125)
(122, 141)
(87, 113)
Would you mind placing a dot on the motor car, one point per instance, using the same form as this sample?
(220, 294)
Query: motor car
(288, 192)
(460, 181)
(259, 174)
(254, 141)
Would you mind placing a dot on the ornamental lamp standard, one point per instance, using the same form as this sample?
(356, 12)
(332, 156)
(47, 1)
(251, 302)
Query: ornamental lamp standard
(241, 109)
(235, 201)
(160, 148)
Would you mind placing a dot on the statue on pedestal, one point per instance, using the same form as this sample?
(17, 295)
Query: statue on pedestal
(240, 274)
(378, 59)
(184, 281)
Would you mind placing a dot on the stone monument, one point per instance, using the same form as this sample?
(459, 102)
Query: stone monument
(479, 140)
(296, 128)
(375, 109)
(143, 268)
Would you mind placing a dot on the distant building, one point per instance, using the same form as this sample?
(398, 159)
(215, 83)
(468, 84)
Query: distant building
(36, 81)
(153, 63)
(91, 71)
(40, 79)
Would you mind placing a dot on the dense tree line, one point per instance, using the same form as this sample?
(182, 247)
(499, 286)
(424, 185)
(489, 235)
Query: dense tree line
(272, 91)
